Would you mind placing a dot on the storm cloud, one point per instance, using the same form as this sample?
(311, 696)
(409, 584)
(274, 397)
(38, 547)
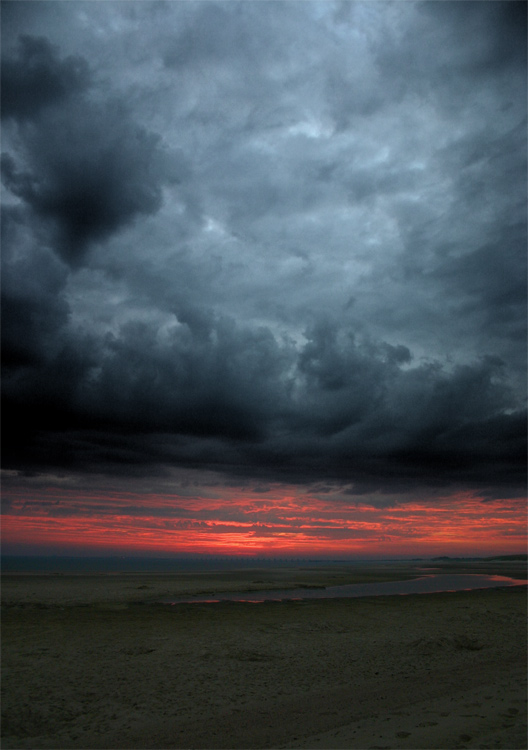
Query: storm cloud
(35, 78)
(282, 242)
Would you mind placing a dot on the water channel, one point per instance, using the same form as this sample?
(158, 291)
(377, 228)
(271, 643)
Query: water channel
(427, 584)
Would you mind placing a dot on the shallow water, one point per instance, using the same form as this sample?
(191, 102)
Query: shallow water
(427, 584)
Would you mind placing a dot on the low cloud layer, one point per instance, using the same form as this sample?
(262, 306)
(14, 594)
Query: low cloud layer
(281, 242)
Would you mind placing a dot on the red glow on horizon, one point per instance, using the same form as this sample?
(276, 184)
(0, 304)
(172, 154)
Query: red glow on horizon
(248, 524)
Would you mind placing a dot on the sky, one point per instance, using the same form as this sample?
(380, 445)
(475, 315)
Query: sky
(264, 277)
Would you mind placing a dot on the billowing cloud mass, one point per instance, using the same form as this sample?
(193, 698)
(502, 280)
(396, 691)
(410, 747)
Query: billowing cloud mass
(270, 242)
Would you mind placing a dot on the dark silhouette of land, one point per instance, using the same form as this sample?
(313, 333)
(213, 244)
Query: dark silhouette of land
(96, 661)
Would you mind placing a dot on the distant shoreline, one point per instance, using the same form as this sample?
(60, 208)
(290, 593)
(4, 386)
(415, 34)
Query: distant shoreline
(136, 564)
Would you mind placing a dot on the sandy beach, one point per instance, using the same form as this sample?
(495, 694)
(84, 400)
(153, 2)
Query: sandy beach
(95, 661)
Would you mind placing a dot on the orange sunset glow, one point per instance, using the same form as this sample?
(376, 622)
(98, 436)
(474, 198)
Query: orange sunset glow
(286, 525)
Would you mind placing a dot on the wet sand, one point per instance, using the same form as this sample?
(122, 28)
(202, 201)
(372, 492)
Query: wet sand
(96, 662)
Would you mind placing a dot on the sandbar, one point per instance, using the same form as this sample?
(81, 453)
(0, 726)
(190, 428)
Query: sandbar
(96, 661)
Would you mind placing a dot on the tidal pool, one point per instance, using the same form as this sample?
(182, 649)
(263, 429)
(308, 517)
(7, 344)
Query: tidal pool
(428, 584)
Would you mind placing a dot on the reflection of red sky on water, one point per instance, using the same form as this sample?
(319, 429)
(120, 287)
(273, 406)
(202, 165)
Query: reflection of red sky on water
(236, 522)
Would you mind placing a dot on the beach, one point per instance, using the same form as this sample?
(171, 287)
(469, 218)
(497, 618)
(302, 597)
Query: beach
(98, 661)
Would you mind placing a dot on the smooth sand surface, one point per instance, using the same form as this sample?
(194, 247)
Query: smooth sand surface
(96, 662)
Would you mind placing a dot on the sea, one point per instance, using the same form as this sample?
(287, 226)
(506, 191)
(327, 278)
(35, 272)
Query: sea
(124, 564)
(427, 581)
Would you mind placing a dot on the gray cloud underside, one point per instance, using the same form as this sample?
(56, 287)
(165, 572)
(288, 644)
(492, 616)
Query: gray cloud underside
(283, 241)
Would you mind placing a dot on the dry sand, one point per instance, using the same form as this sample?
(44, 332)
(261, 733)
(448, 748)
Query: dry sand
(96, 662)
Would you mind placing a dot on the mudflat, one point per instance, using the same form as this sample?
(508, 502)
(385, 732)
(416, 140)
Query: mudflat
(95, 661)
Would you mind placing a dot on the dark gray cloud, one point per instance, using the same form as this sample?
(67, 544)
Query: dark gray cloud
(33, 310)
(92, 170)
(278, 241)
(36, 78)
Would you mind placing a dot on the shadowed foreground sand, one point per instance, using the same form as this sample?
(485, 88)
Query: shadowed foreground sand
(95, 662)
